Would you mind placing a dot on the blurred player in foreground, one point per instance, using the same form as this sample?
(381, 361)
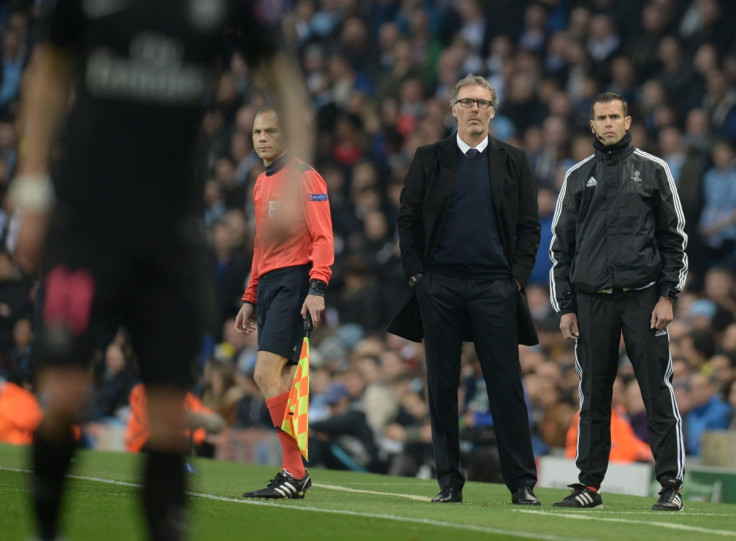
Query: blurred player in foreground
(124, 242)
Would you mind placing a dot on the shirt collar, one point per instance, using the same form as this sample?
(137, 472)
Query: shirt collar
(464, 147)
(277, 165)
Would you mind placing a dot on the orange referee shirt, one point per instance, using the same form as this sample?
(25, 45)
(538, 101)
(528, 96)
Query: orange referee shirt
(293, 224)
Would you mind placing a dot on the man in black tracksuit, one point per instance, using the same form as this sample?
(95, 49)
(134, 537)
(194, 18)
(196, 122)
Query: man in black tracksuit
(618, 263)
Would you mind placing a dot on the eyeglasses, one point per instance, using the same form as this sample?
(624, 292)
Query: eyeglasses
(467, 103)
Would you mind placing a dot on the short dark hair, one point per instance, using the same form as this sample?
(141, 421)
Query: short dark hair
(268, 109)
(608, 97)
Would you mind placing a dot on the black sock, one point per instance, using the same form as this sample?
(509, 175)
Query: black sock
(51, 461)
(164, 498)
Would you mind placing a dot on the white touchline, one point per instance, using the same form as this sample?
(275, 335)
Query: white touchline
(595, 515)
(375, 492)
(395, 518)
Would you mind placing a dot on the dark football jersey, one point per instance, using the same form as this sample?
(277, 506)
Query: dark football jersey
(144, 70)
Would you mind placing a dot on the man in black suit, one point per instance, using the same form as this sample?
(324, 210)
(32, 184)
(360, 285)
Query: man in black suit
(469, 232)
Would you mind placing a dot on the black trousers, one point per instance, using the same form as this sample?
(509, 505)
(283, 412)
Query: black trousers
(450, 307)
(602, 318)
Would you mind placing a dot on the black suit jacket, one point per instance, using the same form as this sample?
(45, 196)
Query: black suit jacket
(424, 202)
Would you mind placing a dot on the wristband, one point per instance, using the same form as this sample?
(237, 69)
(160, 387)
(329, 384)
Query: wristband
(32, 192)
(670, 294)
(317, 287)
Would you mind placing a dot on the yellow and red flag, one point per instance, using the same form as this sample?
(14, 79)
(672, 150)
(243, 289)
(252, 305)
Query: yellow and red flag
(296, 416)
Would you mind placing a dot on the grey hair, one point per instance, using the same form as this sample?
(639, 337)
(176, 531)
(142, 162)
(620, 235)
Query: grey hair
(474, 80)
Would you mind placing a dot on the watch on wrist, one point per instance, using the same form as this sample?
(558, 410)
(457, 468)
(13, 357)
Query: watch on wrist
(317, 287)
(670, 294)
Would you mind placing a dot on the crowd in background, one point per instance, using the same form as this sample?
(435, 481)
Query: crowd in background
(380, 74)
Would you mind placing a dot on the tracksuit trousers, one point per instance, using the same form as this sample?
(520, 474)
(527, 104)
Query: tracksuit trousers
(602, 318)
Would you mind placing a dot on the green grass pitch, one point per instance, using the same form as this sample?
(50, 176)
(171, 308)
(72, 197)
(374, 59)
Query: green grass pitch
(102, 505)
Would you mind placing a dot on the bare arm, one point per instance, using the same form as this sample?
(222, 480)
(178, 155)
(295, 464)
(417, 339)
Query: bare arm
(286, 83)
(44, 97)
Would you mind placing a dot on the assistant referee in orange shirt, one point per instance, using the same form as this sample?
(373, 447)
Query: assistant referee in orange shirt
(289, 276)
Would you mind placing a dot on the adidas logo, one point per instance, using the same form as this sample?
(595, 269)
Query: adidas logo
(591, 182)
(584, 499)
(661, 333)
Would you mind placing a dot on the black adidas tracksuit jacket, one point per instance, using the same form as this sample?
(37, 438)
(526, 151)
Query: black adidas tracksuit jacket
(618, 243)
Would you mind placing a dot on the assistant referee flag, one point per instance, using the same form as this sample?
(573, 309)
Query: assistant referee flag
(296, 416)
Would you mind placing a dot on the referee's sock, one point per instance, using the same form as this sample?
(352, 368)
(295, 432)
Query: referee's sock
(164, 497)
(291, 456)
(51, 461)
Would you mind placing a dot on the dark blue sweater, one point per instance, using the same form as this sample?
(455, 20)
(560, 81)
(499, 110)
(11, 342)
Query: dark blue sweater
(469, 244)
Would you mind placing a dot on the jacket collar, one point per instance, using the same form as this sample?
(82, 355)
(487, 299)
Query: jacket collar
(619, 151)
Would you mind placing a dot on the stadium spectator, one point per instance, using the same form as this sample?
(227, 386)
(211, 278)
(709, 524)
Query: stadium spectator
(732, 403)
(533, 35)
(231, 272)
(201, 421)
(697, 347)
(624, 80)
(709, 411)
(359, 298)
(721, 367)
(20, 413)
(603, 41)
(718, 219)
(115, 382)
(408, 439)
(15, 301)
(220, 393)
(214, 202)
(20, 354)
(344, 440)
(14, 57)
(719, 288)
(707, 21)
(625, 446)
